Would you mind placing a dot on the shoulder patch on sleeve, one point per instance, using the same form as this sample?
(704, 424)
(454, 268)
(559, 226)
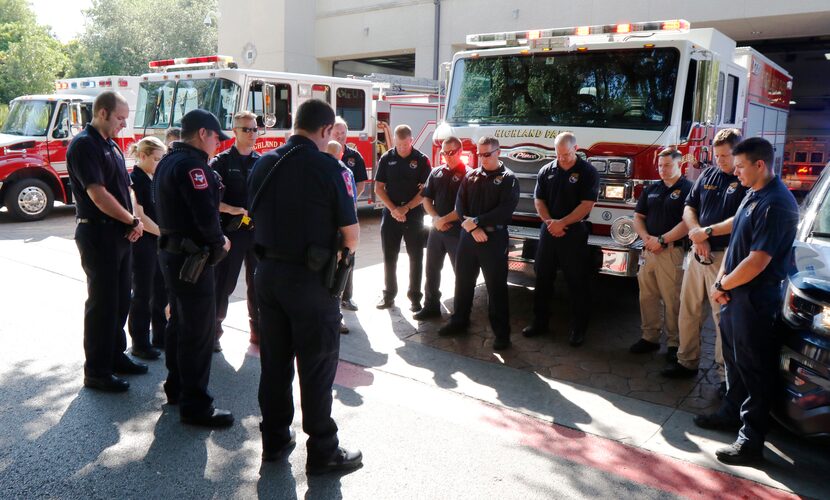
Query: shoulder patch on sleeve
(347, 179)
(198, 178)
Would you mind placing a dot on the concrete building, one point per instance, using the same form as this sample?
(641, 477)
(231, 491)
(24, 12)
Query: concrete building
(412, 37)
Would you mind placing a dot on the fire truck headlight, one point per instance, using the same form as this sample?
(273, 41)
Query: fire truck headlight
(614, 192)
(622, 231)
(618, 167)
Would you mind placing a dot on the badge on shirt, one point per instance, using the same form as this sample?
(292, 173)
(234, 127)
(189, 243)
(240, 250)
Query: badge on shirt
(413, 164)
(574, 178)
(198, 178)
(456, 178)
(732, 188)
(348, 180)
(498, 180)
(675, 194)
(750, 208)
(350, 162)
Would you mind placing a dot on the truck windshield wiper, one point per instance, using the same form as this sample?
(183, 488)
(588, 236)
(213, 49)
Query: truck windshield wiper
(819, 234)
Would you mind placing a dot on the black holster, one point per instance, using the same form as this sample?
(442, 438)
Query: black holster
(341, 273)
(194, 264)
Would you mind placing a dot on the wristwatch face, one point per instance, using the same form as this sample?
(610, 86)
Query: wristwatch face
(475, 220)
(708, 230)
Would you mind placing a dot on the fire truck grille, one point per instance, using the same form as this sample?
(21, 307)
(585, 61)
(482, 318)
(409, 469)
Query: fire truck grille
(526, 172)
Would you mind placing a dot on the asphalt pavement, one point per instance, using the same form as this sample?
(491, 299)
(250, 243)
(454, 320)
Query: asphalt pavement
(431, 423)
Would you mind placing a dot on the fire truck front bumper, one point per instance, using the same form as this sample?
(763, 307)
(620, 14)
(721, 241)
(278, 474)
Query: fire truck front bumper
(611, 257)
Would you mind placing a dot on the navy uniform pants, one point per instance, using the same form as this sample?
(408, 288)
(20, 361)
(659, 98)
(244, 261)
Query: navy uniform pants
(570, 254)
(391, 233)
(189, 337)
(750, 355)
(491, 258)
(149, 297)
(439, 244)
(105, 258)
(227, 273)
(299, 319)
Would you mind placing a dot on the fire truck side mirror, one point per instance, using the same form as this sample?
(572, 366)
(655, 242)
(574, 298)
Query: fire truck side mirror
(76, 120)
(706, 93)
(269, 104)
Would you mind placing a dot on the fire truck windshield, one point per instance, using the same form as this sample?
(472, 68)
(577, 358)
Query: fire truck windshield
(162, 104)
(630, 89)
(28, 117)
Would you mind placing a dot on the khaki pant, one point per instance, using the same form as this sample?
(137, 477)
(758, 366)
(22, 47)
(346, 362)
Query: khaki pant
(697, 283)
(660, 277)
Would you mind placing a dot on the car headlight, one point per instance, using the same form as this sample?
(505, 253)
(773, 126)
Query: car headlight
(622, 231)
(801, 311)
(821, 321)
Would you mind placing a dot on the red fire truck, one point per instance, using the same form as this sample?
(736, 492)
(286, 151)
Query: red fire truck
(34, 138)
(626, 91)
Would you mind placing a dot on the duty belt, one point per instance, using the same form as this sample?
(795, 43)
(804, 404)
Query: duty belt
(492, 229)
(175, 243)
(272, 254)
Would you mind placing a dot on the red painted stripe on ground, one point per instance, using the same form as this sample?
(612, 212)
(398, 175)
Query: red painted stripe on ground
(628, 462)
(624, 461)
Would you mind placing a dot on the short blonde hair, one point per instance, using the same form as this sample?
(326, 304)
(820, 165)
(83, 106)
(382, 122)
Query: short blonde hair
(403, 132)
(334, 148)
(244, 115)
(147, 146)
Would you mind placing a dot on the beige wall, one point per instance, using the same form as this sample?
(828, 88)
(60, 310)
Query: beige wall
(308, 35)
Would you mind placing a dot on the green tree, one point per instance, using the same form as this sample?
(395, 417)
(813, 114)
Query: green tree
(122, 36)
(30, 58)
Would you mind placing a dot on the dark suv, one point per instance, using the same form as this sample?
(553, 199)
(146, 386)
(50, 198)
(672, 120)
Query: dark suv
(805, 355)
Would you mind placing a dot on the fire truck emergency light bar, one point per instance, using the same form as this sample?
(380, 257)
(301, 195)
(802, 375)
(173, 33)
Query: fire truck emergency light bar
(221, 61)
(87, 84)
(513, 38)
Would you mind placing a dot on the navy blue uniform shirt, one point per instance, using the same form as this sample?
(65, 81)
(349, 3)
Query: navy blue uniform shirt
(563, 190)
(187, 193)
(91, 159)
(354, 162)
(143, 189)
(716, 197)
(234, 169)
(490, 196)
(442, 188)
(663, 205)
(765, 221)
(304, 202)
(404, 177)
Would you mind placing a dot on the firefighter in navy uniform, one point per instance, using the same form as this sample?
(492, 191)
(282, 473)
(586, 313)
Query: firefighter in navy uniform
(187, 194)
(440, 192)
(106, 227)
(299, 203)
(401, 174)
(748, 288)
(354, 162)
(485, 203)
(234, 166)
(658, 220)
(566, 191)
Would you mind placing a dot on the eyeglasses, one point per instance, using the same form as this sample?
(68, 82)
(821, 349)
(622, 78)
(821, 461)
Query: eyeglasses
(488, 154)
(451, 152)
(248, 130)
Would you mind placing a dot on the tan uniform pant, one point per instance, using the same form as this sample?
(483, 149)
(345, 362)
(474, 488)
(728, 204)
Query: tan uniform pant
(660, 278)
(697, 283)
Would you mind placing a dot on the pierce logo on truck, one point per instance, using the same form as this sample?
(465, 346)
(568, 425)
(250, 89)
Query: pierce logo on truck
(525, 156)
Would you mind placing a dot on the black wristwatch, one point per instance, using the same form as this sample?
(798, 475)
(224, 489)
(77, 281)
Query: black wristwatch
(719, 287)
(708, 230)
(134, 223)
(662, 241)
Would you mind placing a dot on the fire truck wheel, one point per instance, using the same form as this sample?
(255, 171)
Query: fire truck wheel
(29, 199)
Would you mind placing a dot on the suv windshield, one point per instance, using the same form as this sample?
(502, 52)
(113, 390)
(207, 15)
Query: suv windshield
(162, 104)
(631, 89)
(28, 118)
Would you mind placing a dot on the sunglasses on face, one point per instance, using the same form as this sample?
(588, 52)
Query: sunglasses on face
(248, 130)
(488, 154)
(451, 152)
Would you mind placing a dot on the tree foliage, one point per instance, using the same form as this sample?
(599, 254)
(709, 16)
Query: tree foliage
(30, 58)
(122, 36)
